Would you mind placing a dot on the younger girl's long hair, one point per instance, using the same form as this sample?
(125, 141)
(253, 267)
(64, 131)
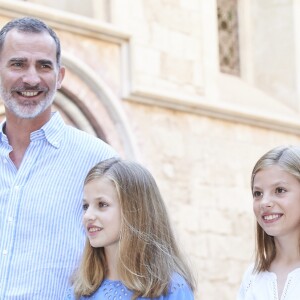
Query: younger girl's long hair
(148, 253)
(288, 159)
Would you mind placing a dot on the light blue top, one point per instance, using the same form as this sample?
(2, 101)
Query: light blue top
(116, 290)
(40, 210)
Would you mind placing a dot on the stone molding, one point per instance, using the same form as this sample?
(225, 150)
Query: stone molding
(186, 103)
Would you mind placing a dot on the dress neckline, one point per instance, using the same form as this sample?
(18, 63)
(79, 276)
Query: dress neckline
(290, 273)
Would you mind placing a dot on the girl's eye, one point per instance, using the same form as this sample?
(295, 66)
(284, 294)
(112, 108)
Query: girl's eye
(280, 190)
(257, 194)
(85, 207)
(102, 204)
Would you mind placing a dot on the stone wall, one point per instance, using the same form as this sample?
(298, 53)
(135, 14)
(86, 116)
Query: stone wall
(203, 167)
(149, 78)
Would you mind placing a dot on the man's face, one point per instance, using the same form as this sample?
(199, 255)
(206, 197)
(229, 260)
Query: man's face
(29, 74)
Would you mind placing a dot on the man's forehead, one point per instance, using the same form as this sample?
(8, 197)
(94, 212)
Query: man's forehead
(25, 44)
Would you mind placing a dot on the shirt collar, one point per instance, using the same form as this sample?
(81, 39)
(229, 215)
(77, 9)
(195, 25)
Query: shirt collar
(53, 130)
(2, 135)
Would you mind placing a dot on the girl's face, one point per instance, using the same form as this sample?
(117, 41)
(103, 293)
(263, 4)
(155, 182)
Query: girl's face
(276, 202)
(102, 213)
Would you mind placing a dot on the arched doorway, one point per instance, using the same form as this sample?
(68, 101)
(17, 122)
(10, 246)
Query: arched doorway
(86, 103)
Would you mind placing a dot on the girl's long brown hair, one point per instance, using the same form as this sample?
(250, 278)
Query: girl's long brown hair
(287, 158)
(148, 253)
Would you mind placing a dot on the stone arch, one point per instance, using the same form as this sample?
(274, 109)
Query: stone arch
(100, 106)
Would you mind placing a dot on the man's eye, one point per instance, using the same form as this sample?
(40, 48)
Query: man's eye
(85, 206)
(17, 65)
(46, 67)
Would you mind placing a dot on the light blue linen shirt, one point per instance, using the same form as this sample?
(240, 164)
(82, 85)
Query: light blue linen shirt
(41, 236)
(115, 290)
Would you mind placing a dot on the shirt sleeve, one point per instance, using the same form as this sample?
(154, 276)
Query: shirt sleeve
(70, 294)
(245, 284)
(183, 293)
(180, 290)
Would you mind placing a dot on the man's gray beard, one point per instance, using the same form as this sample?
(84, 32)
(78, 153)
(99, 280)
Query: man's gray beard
(26, 111)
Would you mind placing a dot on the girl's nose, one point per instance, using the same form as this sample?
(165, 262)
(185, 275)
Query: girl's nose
(267, 201)
(89, 215)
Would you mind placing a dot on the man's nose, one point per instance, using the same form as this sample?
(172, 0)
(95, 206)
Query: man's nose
(31, 76)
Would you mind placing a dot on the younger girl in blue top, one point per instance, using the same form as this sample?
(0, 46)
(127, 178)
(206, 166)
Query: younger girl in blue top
(131, 252)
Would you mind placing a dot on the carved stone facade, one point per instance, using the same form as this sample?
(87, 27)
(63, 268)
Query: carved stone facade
(145, 76)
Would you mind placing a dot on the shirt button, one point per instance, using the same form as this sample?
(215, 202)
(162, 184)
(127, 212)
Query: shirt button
(5, 161)
(4, 252)
(10, 219)
(17, 187)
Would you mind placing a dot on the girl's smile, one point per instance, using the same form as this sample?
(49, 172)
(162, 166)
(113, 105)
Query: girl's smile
(270, 218)
(93, 230)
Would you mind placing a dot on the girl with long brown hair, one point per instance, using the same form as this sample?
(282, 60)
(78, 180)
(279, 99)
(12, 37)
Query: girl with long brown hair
(131, 252)
(275, 184)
